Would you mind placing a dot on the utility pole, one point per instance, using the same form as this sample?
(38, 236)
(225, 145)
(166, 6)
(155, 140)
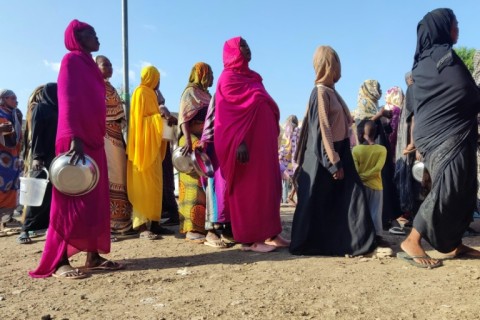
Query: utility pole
(126, 86)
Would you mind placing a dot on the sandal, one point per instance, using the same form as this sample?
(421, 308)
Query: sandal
(67, 272)
(149, 235)
(195, 237)
(24, 238)
(214, 241)
(107, 265)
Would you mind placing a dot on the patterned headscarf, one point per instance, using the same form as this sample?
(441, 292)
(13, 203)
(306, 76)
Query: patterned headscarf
(71, 41)
(195, 97)
(476, 67)
(367, 102)
(393, 97)
(327, 66)
(199, 76)
(5, 93)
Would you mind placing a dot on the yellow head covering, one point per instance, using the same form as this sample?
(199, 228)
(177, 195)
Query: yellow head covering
(149, 77)
(327, 66)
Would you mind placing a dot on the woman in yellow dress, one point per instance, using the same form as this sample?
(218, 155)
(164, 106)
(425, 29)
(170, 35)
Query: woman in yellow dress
(146, 151)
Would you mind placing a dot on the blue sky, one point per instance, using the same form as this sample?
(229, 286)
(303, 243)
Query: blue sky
(375, 39)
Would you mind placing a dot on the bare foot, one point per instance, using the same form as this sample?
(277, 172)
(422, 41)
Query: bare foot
(418, 254)
(463, 251)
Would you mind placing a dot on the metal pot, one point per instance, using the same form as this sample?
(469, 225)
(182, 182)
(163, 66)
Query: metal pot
(196, 160)
(180, 162)
(417, 170)
(202, 164)
(74, 180)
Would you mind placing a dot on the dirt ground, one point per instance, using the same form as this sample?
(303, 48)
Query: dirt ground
(172, 279)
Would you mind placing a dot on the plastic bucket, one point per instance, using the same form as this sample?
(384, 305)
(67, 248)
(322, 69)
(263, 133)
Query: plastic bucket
(32, 190)
(168, 133)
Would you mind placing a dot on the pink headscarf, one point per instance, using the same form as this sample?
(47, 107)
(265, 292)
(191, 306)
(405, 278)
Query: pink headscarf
(71, 42)
(232, 56)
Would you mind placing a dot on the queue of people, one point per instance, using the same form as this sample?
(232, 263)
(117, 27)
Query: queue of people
(348, 175)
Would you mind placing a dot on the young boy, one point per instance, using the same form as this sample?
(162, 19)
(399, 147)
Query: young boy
(369, 160)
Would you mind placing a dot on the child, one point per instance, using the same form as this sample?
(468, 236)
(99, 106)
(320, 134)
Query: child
(369, 160)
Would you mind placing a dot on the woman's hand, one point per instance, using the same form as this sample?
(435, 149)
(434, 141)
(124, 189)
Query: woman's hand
(242, 153)
(37, 165)
(187, 148)
(201, 146)
(76, 151)
(339, 175)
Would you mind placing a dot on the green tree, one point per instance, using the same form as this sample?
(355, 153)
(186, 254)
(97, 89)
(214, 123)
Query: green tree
(466, 54)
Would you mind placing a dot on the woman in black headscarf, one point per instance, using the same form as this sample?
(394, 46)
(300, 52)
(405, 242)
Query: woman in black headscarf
(44, 131)
(446, 102)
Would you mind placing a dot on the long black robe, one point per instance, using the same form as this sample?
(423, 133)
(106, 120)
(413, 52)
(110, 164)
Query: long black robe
(332, 216)
(44, 131)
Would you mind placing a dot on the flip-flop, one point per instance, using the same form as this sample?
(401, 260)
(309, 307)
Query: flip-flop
(215, 242)
(397, 230)
(149, 235)
(107, 265)
(75, 274)
(195, 237)
(258, 247)
(410, 259)
(24, 238)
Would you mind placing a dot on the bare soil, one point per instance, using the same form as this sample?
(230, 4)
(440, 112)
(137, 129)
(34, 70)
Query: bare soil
(173, 279)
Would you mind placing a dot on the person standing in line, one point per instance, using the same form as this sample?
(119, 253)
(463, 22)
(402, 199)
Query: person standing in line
(146, 151)
(286, 152)
(10, 145)
(367, 109)
(446, 104)
(79, 223)
(369, 159)
(332, 216)
(246, 143)
(193, 110)
(116, 125)
(393, 103)
(217, 215)
(169, 202)
(44, 119)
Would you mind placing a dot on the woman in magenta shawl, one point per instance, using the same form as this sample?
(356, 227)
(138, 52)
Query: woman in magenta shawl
(246, 143)
(79, 223)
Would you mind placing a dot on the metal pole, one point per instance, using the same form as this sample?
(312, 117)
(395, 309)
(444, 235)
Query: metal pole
(126, 86)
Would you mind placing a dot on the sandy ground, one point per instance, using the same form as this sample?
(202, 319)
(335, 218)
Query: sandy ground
(172, 279)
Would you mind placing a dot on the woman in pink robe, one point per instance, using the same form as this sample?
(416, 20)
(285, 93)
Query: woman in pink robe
(79, 223)
(246, 135)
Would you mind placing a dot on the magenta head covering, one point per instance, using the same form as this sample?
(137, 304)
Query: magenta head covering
(232, 56)
(71, 42)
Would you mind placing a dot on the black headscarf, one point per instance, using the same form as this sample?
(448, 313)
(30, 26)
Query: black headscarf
(44, 125)
(446, 99)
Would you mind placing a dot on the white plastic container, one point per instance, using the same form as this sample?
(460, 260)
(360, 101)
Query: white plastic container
(168, 133)
(32, 190)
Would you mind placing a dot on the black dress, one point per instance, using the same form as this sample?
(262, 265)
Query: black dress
(332, 216)
(44, 131)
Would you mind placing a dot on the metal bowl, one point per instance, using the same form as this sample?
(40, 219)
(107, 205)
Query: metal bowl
(180, 162)
(202, 164)
(417, 170)
(74, 180)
